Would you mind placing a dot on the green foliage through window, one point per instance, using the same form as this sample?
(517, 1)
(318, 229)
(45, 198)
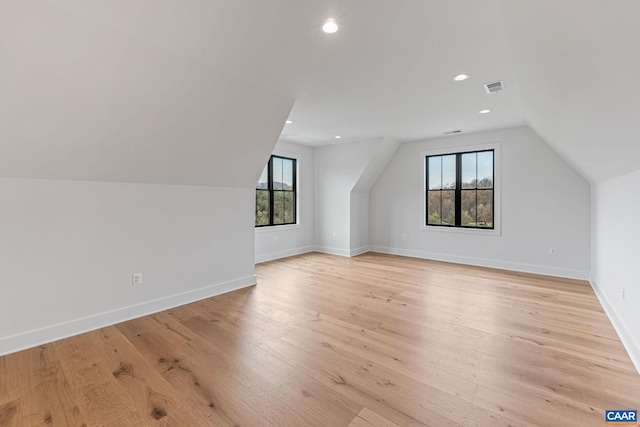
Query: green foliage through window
(276, 193)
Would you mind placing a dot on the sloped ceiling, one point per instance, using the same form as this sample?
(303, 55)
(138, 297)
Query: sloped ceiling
(197, 91)
(577, 64)
(114, 91)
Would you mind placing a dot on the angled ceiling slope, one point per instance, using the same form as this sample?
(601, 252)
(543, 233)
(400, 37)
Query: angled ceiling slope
(90, 93)
(577, 64)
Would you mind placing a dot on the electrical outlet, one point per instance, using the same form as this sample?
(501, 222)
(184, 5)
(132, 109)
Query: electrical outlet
(136, 279)
(403, 236)
(552, 250)
(335, 235)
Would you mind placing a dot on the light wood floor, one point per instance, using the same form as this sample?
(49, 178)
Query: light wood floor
(371, 341)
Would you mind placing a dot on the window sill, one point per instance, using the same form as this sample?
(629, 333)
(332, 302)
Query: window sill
(272, 228)
(456, 230)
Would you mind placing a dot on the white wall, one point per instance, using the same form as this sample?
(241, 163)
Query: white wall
(337, 170)
(69, 249)
(545, 202)
(288, 240)
(343, 172)
(615, 257)
(359, 223)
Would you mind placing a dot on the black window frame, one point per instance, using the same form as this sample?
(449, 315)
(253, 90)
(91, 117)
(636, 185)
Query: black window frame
(270, 188)
(458, 190)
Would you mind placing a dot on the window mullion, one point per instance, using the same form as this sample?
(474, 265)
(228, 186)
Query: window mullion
(441, 184)
(271, 190)
(476, 192)
(458, 192)
(295, 191)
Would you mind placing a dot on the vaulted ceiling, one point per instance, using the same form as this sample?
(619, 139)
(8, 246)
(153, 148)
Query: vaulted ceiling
(197, 91)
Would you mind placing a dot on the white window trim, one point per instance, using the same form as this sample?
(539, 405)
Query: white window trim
(271, 228)
(497, 190)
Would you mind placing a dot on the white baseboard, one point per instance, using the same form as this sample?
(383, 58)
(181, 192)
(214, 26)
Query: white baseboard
(629, 342)
(283, 254)
(359, 251)
(322, 249)
(332, 251)
(482, 262)
(51, 333)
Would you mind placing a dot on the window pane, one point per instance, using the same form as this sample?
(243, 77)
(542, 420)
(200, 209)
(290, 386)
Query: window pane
(262, 207)
(277, 173)
(469, 170)
(485, 208)
(289, 207)
(278, 207)
(264, 179)
(468, 208)
(287, 174)
(485, 169)
(435, 172)
(433, 207)
(448, 172)
(449, 207)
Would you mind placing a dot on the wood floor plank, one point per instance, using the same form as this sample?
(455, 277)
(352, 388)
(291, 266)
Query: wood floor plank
(370, 341)
(47, 398)
(375, 419)
(209, 390)
(9, 414)
(326, 344)
(360, 422)
(539, 408)
(298, 390)
(153, 397)
(345, 379)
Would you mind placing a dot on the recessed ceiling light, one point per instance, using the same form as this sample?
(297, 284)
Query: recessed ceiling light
(484, 111)
(330, 26)
(288, 122)
(337, 137)
(461, 77)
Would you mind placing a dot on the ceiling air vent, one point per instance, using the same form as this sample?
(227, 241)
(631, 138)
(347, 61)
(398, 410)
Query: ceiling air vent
(451, 132)
(494, 87)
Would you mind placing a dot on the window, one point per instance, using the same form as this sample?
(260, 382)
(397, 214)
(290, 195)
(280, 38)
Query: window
(460, 190)
(276, 193)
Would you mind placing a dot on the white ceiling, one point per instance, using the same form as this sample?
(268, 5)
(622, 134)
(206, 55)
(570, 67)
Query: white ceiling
(180, 91)
(388, 73)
